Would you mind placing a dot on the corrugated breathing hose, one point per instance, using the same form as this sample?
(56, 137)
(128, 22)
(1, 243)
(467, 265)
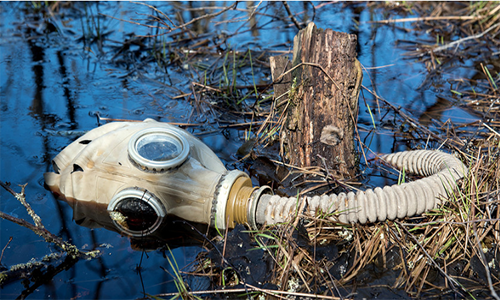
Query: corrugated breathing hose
(397, 201)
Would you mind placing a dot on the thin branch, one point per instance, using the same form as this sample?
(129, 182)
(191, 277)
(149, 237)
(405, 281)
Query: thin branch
(169, 29)
(458, 42)
(425, 19)
(40, 230)
(254, 10)
(308, 64)
(21, 198)
(3, 250)
(292, 17)
(51, 238)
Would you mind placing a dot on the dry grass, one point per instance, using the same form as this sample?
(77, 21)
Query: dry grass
(454, 247)
(452, 250)
(447, 248)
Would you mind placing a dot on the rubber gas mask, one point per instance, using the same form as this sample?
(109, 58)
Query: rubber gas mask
(130, 176)
(141, 172)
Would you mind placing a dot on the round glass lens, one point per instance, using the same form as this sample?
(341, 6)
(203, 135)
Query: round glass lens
(158, 147)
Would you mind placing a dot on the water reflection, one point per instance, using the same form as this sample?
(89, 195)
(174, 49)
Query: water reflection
(435, 111)
(67, 92)
(173, 232)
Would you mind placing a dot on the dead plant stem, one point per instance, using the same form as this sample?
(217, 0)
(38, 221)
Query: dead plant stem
(269, 292)
(158, 11)
(5, 247)
(420, 19)
(170, 29)
(415, 124)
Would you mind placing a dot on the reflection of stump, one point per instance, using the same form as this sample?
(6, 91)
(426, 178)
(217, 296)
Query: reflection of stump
(322, 99)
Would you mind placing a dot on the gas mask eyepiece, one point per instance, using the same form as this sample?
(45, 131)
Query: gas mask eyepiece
(157, 149)
(136, 212)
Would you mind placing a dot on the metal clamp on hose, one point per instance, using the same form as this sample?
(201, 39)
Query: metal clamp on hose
(253, 203)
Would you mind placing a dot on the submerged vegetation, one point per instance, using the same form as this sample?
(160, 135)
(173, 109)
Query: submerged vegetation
(452, 251)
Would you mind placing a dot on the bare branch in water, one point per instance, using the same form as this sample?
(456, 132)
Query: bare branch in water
(170, 29)
(40, 230)
(292, 17)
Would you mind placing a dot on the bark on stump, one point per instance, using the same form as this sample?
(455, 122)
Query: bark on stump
(320, 99)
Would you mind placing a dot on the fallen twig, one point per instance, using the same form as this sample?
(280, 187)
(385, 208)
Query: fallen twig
(26, 270)
(420, 19)
(292, 17)
(21, 197)
(5, 247)
(458, 42)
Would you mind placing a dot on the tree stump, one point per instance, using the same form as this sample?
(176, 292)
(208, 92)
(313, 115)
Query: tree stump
(318, 93)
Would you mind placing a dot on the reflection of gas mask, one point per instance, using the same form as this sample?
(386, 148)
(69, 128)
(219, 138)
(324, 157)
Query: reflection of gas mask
(143, 171)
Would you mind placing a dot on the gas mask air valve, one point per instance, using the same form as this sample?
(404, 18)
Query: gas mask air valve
(136, 212)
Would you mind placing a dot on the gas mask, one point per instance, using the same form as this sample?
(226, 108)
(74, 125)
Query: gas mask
(141, 172)
(130, 176)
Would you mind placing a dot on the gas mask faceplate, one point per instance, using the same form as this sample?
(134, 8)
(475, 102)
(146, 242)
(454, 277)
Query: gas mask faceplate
(142, 172)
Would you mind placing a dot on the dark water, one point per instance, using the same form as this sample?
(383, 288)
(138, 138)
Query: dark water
(57, 73)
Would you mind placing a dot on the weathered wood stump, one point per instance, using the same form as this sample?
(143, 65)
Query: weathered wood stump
(318, 92)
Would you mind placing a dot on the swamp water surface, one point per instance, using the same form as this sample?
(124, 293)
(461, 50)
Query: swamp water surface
(62, 68)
